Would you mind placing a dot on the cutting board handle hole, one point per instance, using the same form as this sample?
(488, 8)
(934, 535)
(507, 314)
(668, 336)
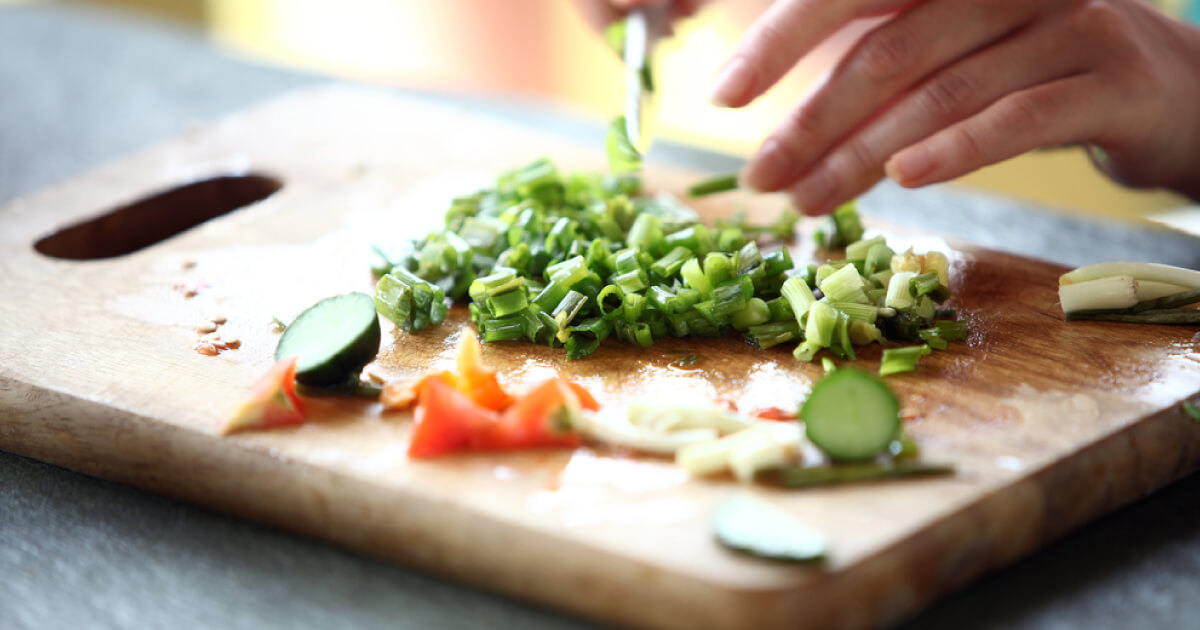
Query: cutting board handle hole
(152, 219)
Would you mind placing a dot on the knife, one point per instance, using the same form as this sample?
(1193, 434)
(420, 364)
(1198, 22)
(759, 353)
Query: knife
(643, 28)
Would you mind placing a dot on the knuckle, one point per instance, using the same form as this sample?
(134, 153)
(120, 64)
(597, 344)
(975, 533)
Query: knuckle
(1100, 22)
(1027, 111)
(860, 158)
(772, 36)
(947, 96)
(968, 146)
(886, 54)
(802, 127)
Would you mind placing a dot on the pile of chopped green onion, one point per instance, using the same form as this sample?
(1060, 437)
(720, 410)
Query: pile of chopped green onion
(572, 259)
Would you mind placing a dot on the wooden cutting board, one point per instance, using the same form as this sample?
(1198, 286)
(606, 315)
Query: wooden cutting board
(1050, 424)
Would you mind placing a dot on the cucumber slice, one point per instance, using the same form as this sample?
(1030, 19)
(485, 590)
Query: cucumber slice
(332, 340)
(751, 525)
(851, 415)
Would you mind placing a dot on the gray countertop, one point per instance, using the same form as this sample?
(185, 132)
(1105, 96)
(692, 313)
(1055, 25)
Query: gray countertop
(78, 88)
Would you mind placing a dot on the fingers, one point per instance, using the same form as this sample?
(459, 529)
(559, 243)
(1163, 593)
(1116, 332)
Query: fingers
(1059, 112)
(597, 13)
(1026, 59)
(600, 13)
(783, 34)
(684, 8)
(885, 63)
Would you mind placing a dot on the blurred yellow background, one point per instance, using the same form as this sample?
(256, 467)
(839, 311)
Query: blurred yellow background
(541, 48)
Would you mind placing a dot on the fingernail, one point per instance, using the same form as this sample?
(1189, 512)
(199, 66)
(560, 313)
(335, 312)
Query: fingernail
(767, 169)
(910, 165)
(732, 84)
(812, 193)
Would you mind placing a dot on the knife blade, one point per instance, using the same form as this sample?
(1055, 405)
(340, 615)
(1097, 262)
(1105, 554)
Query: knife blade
(643, 27)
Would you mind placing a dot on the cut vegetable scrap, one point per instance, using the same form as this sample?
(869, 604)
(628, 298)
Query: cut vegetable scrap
(897, 360)
(841, 228)
(751, 525)
(713, 185)
(611, 427)
(763, 446)
(1179, 276)
(1143, 293)
(804, 477)
(272, 401)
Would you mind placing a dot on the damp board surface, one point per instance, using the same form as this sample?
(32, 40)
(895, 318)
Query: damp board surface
(1050, 424)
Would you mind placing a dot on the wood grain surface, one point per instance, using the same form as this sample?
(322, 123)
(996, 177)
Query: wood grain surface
(1050, 424)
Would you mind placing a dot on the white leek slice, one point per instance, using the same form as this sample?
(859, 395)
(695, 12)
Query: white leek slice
(767, 444)
(784, 444)
(665, 418)
(1151, 290)
(1104, 293)
(899, 293)
(615, 431)
(1188, 278)
(712, 457)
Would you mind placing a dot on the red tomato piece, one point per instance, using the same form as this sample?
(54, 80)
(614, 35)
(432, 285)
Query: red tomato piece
(538, 419)
(272, 401)
(585, 398)
(775, 413)
(446, 419)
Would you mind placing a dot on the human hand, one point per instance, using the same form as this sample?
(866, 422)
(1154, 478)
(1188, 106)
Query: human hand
(601, 13)
(945, 87)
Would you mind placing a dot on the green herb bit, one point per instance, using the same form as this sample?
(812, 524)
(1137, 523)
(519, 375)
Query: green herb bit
(896, 360)
(755, 313)
(931, 338)
(904, 447)
(411, 302)
(1192, 410)
(828, 366)
(586, 337)
(279, 324)
(687, 360)
(951, 330)
(858, 250)
(772, 334)
(799, 298)
(841, 228)
(615, 36)
(713, 185)
(822, 322)
(783, 228)
(879, 259)
(502, 328)
(859, 472)
(1173, 317)
(844, 285)
(1175, 300)
(924, 284)
(623, 156)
